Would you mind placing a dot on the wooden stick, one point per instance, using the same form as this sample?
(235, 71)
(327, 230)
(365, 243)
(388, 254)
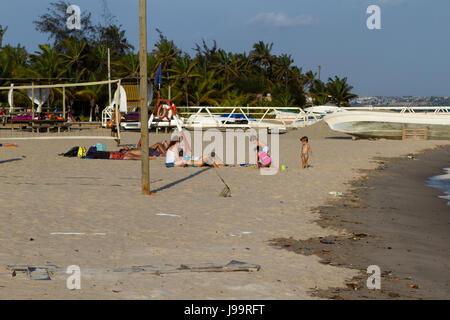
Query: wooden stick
(143, 98)
(32, 101)
(64, 103)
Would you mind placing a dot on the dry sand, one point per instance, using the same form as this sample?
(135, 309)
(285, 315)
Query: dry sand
(42, 193)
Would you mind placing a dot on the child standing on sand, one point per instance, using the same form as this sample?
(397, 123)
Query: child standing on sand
(306, 152)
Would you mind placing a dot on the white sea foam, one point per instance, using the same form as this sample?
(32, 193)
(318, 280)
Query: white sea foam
(442, 182)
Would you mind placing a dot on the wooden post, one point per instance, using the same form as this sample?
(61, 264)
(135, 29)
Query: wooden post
(32, 101)
(143, 96)
(116, 110)
(109, 75)
(64, 103)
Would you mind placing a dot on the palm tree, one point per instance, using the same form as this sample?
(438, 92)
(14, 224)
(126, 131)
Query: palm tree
(226, 65)
(46, 63)
(233, 98)
(261, 54)
(2, 33)
(284, 100)
(319, 92)
(74, 54)
(183, 69)
(91, 93)
(128, 66)
(167, 53)
(339, 91)
(284, 69)
(308, 79)
(206, 90)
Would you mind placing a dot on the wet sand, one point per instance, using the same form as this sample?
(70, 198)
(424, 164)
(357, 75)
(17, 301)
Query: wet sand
(393, 220)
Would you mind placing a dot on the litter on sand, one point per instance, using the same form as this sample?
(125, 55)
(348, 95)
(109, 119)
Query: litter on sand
(45, 272)
(240, 234)
(168, 215)
(34, 272)
(335, 193)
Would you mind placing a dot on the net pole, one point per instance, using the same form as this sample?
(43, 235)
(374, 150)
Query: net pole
(143, 97)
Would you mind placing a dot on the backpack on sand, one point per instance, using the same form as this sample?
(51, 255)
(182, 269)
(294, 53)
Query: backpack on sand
(82, 153)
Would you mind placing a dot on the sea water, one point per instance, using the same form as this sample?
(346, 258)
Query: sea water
(442, 182)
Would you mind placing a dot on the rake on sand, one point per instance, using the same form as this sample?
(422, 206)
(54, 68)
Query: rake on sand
(226, 192)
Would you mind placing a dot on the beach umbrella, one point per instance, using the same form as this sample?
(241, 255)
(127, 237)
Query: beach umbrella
(11, 99)
(123, 99)
(40, 97)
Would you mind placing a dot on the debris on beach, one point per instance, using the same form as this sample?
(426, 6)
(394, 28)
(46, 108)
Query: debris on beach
(45, 272)
(240, 234)
(327, 242)
(359, 236)
(34, 272)
(335, 193)
(352, 285)
(413, 286)
(353, 222)
(168, 215)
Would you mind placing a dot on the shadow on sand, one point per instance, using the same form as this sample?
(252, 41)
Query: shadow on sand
(170, 185)
(10, 160)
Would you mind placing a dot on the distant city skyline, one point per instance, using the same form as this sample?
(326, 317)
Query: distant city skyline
(409, 56)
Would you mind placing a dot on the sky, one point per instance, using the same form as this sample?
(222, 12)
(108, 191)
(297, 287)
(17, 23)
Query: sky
(409, 55)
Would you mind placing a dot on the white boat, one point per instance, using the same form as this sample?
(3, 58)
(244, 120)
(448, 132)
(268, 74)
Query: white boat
(390, 122)
(297, 119)
(324, 109)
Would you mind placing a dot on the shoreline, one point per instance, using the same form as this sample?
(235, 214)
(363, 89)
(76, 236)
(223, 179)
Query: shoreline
(405, 233)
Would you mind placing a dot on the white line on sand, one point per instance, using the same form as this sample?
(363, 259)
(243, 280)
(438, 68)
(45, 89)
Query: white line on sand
(75, 234)
(168, 215)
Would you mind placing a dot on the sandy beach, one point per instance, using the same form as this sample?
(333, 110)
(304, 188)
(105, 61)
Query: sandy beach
(44, 197)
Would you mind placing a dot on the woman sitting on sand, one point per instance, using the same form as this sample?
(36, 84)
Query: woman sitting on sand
(264, 160)
(173, 158)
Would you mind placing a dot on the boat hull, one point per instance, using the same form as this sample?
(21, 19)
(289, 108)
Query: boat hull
(389, 125)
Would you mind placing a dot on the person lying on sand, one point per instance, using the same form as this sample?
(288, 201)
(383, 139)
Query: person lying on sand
(211, 160)
(162, 146)
(157, 150)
